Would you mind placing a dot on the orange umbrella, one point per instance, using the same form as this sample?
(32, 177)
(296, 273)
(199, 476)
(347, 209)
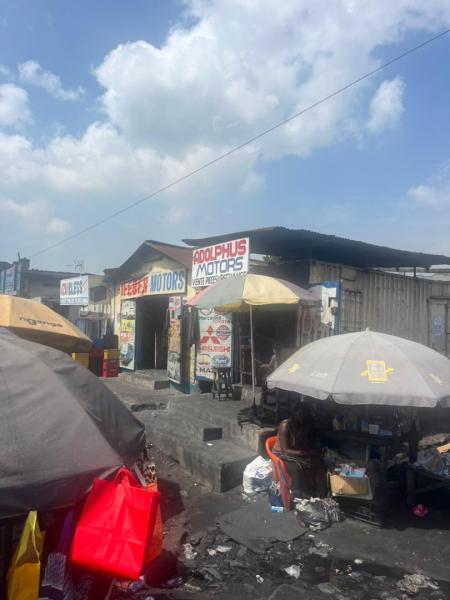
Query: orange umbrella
(36, 322)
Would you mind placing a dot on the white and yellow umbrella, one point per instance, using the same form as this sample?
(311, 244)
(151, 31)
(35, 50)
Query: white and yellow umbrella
(240, 293)
(38, 323)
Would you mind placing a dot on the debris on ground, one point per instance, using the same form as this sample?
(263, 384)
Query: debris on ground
(293, 571)
(412, 584)
(259, 579)
(318, 513)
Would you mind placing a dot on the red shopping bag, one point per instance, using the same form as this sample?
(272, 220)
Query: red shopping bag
(116, 522)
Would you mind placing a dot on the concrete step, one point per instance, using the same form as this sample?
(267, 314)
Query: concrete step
(226, 417)
(218, 464)
(188, 426)
(143, 380)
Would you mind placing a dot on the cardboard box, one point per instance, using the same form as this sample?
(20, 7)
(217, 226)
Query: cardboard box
(349, 486)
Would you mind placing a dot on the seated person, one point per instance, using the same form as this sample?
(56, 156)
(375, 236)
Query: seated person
(296, 446)
(268, 368)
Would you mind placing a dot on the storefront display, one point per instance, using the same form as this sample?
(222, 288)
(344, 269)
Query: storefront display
(174, 351)
(127, 333)
(215, 342)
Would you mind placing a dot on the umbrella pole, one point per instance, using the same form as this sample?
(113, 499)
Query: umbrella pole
(252, 353)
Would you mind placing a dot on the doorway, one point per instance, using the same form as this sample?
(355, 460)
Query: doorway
(151, 332)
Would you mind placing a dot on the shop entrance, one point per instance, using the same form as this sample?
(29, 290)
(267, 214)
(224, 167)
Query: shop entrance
(151, 332)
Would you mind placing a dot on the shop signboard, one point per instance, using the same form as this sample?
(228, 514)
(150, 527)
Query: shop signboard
(167, 282)
(219, 261)
(174, 339)
(155, 283)
(74, 291)
(127, 333)
(328, 293)
(10, 280)
(215, 342)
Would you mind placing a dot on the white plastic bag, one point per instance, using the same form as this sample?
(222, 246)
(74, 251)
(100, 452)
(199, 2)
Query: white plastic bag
(257, 475)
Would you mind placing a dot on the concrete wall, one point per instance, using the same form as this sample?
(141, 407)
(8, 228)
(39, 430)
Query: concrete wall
(414, 308)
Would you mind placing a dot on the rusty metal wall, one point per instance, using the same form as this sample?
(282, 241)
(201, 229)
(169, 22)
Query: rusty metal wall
(414, 308)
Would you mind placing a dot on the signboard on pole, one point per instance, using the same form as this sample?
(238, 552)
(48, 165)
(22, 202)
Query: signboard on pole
(219, 261)
(215, 342)
(127, 333)
(74, 291)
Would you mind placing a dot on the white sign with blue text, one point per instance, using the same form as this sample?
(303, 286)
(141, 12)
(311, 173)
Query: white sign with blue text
(167, 282)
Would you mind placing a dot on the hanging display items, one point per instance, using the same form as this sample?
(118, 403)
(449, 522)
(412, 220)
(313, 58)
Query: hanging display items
(215, 342)
(127, 333)
(174, 339)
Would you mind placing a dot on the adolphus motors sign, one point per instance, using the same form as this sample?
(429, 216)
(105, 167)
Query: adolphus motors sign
(219, 261)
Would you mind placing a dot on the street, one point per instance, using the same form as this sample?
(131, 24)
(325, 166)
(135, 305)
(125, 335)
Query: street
(352, 560)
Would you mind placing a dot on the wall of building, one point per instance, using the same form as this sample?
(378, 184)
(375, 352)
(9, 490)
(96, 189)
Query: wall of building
(163, 264)
(409, 307)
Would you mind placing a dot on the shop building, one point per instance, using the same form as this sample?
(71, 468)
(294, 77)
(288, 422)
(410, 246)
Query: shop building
(150, 289)
(354, 283)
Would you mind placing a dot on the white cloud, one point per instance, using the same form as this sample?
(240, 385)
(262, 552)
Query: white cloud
(14, 109)
(230, 70)
(435, 194)
(386, 107)
(32, 215)
(32, 73)
(57, 225)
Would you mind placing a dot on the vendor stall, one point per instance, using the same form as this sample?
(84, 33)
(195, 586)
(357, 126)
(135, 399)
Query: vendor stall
(372, 388)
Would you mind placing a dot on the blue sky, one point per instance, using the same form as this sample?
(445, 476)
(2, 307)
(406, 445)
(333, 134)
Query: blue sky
(103, 102)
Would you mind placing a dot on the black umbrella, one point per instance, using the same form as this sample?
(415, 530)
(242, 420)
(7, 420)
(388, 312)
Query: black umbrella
(60, 427)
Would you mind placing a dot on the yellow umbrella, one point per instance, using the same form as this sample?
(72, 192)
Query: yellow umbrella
(36, 322)
(246, 291)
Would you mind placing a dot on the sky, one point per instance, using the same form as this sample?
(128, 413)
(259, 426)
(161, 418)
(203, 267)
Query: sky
(103, 102)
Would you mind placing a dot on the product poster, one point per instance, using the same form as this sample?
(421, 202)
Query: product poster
(127, 333)
(215, 342)
(174, 339)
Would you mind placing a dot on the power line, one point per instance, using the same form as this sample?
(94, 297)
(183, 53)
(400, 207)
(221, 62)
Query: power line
(242, 145)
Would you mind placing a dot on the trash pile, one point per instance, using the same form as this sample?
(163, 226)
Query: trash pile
(435, 459)
(318, 513)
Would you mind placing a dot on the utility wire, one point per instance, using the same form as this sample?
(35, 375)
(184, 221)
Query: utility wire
(242, 145)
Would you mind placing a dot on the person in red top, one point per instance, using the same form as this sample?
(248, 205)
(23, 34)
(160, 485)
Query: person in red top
(297, 446)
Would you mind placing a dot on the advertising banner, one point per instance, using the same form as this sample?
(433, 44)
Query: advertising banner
(74, 291)
(226, 259)
(174, 339)
(155, 283)
(127, 333)
(10, 280)
(215, 342)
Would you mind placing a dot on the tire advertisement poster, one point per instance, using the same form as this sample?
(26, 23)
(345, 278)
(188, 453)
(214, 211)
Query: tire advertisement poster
(215, 342)
(174, 339)
(127, 333)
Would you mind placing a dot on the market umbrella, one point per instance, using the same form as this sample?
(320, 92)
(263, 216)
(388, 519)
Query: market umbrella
(367, 367)
(39, 323)
(60, 427)
(246, 291)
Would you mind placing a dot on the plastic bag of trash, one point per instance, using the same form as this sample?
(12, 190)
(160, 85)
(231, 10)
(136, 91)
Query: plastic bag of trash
(317, 513)
(257, 475)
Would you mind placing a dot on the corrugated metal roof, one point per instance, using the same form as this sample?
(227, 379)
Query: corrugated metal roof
(179, 254)
(297, 244)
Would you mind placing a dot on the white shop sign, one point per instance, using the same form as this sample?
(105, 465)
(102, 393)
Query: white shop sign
(219, 261)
